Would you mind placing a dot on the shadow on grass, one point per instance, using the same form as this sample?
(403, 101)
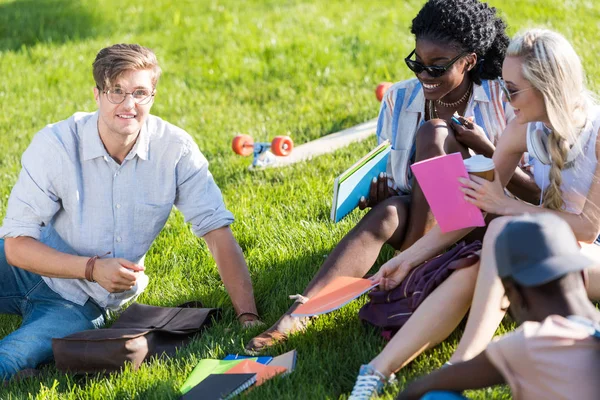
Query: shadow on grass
(158, 390)
(28, 22)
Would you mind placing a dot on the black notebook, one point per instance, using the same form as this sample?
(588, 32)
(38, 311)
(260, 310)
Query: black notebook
(220, 386)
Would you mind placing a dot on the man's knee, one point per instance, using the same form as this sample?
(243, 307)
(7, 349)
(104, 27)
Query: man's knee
(18, 352)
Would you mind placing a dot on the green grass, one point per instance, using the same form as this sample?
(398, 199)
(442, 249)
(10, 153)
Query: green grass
(258, 67)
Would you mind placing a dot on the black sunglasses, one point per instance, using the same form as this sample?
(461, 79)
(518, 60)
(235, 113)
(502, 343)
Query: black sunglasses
(435, 71)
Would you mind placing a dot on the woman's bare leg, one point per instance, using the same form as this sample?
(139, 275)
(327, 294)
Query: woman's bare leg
(434, 320)
(353, 256)
(487, 309)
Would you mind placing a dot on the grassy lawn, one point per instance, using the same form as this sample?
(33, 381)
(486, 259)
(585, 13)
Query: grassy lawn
(258, 67)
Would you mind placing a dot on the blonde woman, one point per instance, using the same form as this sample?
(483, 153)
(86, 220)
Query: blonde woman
(557, 123)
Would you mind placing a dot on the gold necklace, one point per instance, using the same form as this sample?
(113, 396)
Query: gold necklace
(457, 102)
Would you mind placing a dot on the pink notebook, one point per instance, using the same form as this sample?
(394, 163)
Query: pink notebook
(438, 178)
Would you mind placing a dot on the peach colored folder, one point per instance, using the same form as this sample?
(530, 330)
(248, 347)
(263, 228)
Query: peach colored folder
(438, 178)
(341, 291)
(263, 372)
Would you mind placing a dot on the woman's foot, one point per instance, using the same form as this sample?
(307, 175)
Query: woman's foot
(369, 383)
(279, 332)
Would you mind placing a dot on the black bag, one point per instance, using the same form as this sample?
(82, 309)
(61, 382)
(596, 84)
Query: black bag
(139, 333)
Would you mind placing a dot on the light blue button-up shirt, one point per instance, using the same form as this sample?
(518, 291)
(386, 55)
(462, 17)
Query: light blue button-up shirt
(72, 196)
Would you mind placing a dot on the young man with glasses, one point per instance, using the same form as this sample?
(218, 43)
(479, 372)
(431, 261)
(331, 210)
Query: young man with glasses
(93, 193)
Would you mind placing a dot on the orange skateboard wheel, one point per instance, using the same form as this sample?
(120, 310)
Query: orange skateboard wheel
(243, 145)
(282, 145)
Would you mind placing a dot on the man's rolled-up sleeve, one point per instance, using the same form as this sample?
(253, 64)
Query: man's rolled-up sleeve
(198, 196)
(33, 201)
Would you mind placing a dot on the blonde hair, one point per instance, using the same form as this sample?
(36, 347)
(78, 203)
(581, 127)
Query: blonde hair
(553, 67)
(113, 61)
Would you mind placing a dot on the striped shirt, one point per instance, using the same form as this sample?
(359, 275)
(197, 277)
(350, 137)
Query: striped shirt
(403, 112)
(72, 196)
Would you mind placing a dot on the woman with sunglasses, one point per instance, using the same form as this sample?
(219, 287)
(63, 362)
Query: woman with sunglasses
(558, 123)
(460, 46)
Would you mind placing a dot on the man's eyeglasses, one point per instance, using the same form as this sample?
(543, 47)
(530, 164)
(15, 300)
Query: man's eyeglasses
(508, 94)
(118, 95)
(435, 71)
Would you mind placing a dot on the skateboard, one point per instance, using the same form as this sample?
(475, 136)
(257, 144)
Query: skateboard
(264, 153)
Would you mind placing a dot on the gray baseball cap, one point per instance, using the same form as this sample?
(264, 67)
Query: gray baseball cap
(535, 249)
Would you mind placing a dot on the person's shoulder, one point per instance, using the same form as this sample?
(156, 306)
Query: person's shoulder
(405, 89)
(166, 132)
(408, 85)
(556, 326)
(594, 113)
(170, 138)
(490, 84)
(510, 343)
(63, 134)
(490, 91)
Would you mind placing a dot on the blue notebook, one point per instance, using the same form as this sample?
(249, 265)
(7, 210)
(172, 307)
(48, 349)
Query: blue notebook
(355, 182)
(261, 360)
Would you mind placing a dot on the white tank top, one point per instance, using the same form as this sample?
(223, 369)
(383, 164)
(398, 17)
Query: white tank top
(578, 175)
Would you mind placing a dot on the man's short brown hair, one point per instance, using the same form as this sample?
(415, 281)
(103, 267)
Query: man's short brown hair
(113, 61)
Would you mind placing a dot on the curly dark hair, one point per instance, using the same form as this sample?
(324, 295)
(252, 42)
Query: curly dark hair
(471, 26)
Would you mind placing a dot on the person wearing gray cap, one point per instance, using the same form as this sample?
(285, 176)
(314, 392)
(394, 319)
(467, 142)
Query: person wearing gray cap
(555, 353)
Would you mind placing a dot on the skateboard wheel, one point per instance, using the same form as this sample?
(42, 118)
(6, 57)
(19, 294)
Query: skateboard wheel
(282, 145)
(243, 145)
(381, 89)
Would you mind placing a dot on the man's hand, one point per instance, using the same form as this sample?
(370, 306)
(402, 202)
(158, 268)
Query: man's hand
(116, 274)
(382, 188)
(392, 273)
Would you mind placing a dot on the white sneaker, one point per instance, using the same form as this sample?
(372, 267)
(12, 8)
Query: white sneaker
(369, 383)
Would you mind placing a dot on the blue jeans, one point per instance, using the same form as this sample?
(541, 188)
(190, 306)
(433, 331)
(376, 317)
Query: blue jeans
(46, 315)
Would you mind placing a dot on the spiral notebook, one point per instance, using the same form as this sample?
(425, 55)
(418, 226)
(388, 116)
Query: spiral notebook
(263, 372)
(204, 368)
